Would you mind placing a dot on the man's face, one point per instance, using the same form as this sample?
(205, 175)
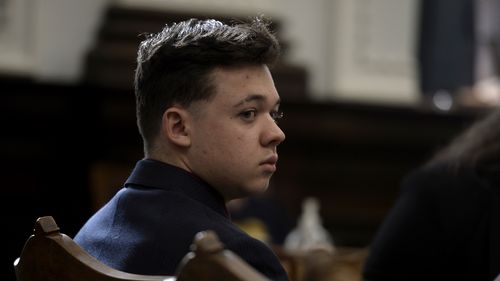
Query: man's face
(234, 135)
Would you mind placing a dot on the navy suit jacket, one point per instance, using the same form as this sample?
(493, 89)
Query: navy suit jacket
(149, 225)
(444, 226)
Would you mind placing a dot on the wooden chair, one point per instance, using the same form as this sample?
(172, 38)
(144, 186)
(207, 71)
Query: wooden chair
(50, 255)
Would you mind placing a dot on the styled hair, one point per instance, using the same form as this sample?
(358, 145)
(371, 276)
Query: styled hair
(475, 148)
(174, 65)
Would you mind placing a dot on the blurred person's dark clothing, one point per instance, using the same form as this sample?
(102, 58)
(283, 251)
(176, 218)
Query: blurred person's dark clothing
(262, 217)
(446, 45)
(445, 225)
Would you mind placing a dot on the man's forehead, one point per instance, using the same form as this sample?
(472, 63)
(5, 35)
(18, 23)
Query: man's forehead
(257, 98)
(239, 85)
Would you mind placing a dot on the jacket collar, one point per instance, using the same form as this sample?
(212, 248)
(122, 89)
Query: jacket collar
(149, 173)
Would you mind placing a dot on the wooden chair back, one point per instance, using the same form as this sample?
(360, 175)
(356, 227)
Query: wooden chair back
(49, 255)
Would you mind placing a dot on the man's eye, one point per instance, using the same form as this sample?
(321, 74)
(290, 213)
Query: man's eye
(249, 115)
(276, 115)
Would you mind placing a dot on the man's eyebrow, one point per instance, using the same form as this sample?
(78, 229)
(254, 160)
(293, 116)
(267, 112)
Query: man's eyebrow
(256, 97)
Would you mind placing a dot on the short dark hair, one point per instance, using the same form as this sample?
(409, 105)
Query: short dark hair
(173, 66)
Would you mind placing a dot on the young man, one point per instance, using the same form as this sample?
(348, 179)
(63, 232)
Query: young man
(206, 109)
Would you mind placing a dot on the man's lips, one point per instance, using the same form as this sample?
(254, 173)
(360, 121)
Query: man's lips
(270, 160)
(270, 163)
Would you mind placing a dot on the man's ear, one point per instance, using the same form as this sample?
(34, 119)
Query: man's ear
(175, 126)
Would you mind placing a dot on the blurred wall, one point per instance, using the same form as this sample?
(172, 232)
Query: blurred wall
(353, 49)
(48, 39)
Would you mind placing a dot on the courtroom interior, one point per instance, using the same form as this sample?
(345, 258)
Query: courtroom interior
(364, 105)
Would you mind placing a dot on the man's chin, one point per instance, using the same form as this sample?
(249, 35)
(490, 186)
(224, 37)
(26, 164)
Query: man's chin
(253, 191)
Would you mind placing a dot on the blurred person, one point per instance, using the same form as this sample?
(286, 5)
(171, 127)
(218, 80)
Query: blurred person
(261, 217)
(486, 89)
(445, 225)
(445, 51)
(206, 109)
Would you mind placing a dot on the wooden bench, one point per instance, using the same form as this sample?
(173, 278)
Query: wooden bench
(50, 255)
